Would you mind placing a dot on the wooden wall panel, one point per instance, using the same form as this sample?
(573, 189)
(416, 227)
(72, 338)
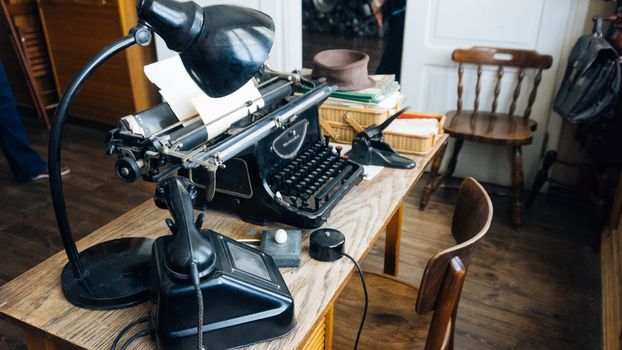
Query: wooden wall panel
(76, 31)
(611, 276)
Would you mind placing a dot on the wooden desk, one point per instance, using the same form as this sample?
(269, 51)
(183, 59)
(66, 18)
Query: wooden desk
(34, 300)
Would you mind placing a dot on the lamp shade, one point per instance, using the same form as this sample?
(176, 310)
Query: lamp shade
(221, 46)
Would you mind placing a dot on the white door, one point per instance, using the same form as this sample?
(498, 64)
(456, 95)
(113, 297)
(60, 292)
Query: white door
(434, 28)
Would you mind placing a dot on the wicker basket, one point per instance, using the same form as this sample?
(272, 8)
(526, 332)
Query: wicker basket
(364, 116)
(344, 132)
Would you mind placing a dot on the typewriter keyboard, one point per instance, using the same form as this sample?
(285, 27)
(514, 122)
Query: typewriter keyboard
(312, 177)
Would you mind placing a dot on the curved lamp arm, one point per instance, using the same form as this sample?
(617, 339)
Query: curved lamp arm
(140, 35)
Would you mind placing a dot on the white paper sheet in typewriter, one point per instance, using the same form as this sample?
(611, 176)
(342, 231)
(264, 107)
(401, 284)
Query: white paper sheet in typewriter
(186, 99)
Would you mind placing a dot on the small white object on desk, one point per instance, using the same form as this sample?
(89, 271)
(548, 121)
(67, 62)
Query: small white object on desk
(280, 236)
(370, 171)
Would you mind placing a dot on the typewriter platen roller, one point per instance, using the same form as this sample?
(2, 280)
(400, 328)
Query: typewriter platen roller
(272, 165)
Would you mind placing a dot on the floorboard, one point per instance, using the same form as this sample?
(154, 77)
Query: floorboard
(537, 288)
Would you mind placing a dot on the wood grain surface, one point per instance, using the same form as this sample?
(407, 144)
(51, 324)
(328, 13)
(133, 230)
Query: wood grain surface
(611, 275)
(34, 300)
(611, 282)
(118, 87)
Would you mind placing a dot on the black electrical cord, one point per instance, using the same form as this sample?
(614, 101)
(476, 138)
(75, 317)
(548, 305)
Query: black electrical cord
(143, 333)
(197, 287)
(358, 267)
(125, 329)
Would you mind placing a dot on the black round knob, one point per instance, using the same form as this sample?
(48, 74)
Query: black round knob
(326, 244)
(127, 169)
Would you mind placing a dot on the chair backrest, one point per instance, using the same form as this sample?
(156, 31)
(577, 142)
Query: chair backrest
(521, 59)
(444, 274)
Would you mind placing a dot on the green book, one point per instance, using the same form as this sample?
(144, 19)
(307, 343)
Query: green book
(384, 86)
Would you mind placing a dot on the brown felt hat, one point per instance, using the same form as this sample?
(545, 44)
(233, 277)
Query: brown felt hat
(345, 68)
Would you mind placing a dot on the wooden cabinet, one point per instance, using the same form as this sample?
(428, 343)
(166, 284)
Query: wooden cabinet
(76, 30)
(611, 275)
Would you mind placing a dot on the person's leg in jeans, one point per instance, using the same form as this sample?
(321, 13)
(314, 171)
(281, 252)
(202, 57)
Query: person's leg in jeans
(24, 162)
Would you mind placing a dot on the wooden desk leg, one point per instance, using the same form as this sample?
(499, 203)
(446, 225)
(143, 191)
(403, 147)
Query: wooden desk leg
(321, 335)
(434, 180)
(37, 342)
(328, 335)
(392, 242)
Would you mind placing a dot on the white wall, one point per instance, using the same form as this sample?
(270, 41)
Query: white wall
(286, 54)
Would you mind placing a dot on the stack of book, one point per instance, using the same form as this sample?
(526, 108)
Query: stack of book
(383, 94)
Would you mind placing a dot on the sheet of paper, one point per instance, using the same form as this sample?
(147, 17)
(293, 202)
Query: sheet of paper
(179, 101)
(418, 127)
(219, 113)
(175, 85)
(370, 171)
(186, 99)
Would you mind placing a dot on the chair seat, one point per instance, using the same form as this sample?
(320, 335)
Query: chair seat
(392, 322)
(496, 128)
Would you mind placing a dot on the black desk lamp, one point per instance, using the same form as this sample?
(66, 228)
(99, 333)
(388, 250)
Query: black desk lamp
(221, 47)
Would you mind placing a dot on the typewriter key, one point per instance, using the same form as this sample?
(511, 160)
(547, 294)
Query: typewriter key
(289, 185)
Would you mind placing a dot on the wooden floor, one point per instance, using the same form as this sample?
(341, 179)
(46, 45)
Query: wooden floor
(533, 289)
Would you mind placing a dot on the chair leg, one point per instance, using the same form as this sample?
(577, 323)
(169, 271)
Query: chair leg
(451, 167)
(541, 176)
(434, 180)
(517, 184)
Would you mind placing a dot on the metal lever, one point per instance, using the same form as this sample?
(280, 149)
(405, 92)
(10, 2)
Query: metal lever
(374, 131)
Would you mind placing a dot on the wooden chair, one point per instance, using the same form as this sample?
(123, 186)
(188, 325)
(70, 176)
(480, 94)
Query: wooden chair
(392, 322)
(493, 127)
(30, 48)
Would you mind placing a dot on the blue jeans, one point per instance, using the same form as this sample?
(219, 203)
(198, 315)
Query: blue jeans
(24, 162)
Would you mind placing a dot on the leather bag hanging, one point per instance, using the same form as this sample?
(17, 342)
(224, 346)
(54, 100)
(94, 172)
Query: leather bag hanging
(591, 83)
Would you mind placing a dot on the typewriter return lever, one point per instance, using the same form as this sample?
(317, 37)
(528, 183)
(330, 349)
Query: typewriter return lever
(369, 148)
(210, 186)
(210, 181)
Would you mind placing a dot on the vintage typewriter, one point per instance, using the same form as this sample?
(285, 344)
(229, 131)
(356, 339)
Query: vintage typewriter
(272, 165)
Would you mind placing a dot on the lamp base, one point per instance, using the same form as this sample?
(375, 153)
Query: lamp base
(117, 275)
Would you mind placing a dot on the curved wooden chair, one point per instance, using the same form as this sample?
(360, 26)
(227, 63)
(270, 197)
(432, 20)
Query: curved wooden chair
(404, 316)
(493, 127)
